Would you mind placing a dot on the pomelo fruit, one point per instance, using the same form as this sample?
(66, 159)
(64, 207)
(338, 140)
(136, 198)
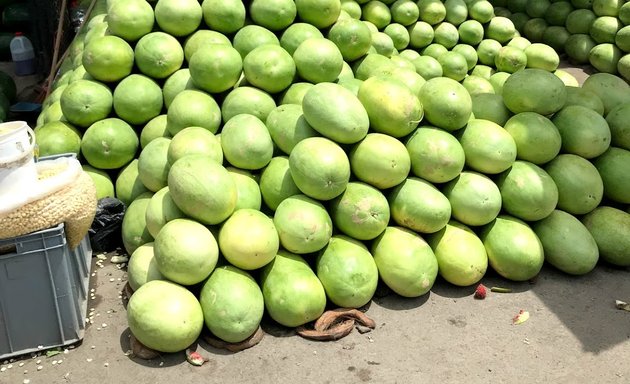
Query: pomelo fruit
(484, 71)
(556, 37)
(584, 132)
(108, 58)
(320, 168)
(434, 50)
(288, 126)
(605, 57)
(247, 189)
(109, 144)
(405, 12)
(579, 21)
(320, 13)
(248, 100)
(497, 80)
(269, 67)
(293, 294)
(202, 38)
(535, 28)
(134, 225)
(137, 99)
(246, 142)
(584, 97)
(225, 16)
(578, 47)
(509, 59)
(57, 137)
(194, 141)
(366, 66)
(481, 10)
(405, 262)
(427, 67)
(380, 160)
(361, 211)
(461, 256)
(347, 271)
(471, 32)
(470, 54)
(352, 37)
(297, 33)
(156, 127)
(446, 103)
(392, 108)
(142, 267)
(382, 44)
(487, 146)
(303, 224)
(432, 11)
(102, 181)
(609, 227)
(295, 93)
(456, 11)
(232, 304)
(215, 67)
(476, 85)
(158, 55)
(160, 210)
(528, 192)
(614, 168)
(416, 204)
(376, 12)
(153, 164)
(567, 243)
(534, 90)
(445, 34)
(274, 15)
(179, 81)
(186, 252)
(611, 89)
(490, 106)
(202, 189)
(318, 60)
(514, 251)
(276, 183)
(420, 34)
(130, 20)
(248, 239)
(192, 108)
(542, 56)
(399, 35)
(537, 138)
(435, 154)
(178, 17)
(454, 65)
(128, 185)
(336, 113)
(617, 120)
(85, 102)
(500, 29)
(580, 187)
(252, 36)
(164, 316)
(519, 42)
(475, 199)
(604, 28)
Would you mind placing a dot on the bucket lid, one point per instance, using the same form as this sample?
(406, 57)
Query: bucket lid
(11, 127)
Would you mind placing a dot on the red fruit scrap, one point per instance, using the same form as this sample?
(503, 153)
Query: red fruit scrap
(480, 292)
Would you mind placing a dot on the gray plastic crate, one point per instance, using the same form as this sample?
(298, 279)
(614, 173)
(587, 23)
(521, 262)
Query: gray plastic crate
(43, 291)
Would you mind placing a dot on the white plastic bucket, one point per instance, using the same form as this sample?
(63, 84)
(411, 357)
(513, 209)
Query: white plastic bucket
(18, 174)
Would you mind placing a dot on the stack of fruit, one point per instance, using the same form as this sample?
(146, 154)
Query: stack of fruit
(589, 31)
(281, 154)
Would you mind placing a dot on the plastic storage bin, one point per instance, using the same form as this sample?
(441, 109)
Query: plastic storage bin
(43, 291)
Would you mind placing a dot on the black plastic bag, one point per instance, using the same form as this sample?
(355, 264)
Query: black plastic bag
(105, 233)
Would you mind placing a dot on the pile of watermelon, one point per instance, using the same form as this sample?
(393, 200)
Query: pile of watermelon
(285, 156)
(595, 32)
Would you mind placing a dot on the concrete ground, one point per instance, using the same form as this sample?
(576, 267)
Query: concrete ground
(574, 335)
